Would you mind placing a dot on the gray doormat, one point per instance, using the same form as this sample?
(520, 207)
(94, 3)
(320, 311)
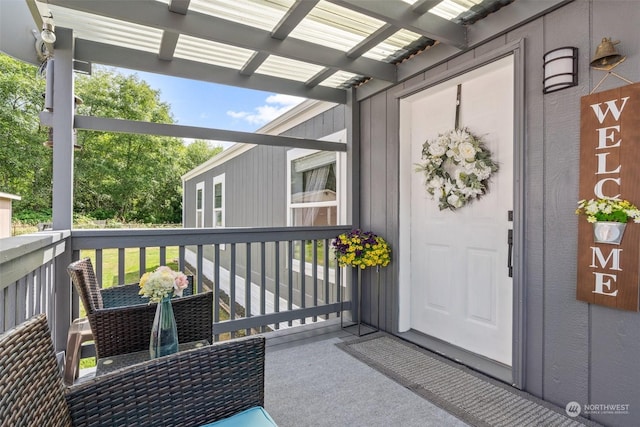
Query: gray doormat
(470, 396)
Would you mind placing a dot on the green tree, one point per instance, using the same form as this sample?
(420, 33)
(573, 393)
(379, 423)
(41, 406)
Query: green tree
(25, 164)
(131, 177)
(116, 173)
(198, 152)
(122, 176)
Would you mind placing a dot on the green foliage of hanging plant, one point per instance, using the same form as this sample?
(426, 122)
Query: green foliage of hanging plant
(608, 209)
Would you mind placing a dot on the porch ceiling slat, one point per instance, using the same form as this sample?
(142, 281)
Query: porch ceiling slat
(179, 6)
(321, 76)
(94, 52)
(253, 63)
(156, 15)
(402, 15)
(179, 131)
(423, 6)
(292, 18)
(380, 35)
(168, 45)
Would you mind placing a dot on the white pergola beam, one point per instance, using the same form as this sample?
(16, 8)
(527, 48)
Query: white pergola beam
(155, 15)
(144, 61)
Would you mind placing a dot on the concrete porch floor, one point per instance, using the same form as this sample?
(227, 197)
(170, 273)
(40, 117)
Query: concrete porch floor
(311, 382)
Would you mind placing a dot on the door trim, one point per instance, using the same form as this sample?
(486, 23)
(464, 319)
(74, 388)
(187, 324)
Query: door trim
(517, 371)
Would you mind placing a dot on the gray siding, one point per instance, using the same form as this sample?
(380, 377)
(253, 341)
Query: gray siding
(255, 181)
(255, 196)
(613, 340)
(573, 351)
(254, 190)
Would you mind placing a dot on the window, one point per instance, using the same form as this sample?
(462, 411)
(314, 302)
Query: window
(313, 190)
(218, 201)
(218, 204)
(200, 205)
(316, 186)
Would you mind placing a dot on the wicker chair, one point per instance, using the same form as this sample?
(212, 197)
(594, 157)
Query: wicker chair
(121, 320)
(189, 388)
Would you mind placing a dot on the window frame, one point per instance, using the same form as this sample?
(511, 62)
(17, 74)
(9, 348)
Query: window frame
(341, 179)
(200, 211)
(219, 179)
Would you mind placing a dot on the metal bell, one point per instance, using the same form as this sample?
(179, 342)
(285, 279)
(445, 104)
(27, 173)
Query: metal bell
(606, 53)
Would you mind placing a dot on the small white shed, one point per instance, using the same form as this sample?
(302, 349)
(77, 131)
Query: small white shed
(5, 213)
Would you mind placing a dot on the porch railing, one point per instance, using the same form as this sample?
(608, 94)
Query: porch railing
(264, 278)
(27, 272)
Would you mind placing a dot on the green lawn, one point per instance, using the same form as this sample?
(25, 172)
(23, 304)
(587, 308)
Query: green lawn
(308, 252)
(132, 275)
(131, 262)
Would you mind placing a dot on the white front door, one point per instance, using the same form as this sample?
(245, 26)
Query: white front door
(460, 286)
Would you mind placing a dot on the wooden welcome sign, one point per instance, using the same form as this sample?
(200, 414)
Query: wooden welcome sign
(608, 274)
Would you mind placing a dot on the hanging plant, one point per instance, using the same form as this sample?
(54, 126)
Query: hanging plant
(361, 249)
(457, 167)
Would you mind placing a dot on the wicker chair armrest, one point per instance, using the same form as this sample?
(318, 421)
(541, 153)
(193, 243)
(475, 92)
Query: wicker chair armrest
(189, 388)
(125, 330)
(129, 294)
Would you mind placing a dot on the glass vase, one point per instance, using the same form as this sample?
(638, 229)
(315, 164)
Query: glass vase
(164, 334)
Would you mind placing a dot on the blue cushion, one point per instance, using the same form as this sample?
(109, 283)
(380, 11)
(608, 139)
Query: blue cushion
(253, 417)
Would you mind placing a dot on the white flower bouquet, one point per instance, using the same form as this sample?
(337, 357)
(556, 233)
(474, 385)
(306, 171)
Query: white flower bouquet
(162, 283)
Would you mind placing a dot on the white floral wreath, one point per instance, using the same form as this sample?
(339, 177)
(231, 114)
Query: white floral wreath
(457, 167)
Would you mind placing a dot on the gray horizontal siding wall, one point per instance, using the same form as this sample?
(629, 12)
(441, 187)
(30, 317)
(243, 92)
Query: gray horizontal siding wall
(255, 187)
(255, 181)
(254, 190)
(255, 196)
(573, 351)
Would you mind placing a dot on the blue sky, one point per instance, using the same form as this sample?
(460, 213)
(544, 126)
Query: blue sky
(196, 103)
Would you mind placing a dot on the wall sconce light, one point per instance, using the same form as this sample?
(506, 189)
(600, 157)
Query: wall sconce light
(48, 29)
(560, 69)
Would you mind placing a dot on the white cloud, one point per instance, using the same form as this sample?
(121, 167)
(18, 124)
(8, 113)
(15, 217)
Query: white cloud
(284, 100)
(212, 143)
(275, 106)
(237, 114)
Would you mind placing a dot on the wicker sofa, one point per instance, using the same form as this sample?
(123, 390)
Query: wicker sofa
(121, 320)
(190, 388)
